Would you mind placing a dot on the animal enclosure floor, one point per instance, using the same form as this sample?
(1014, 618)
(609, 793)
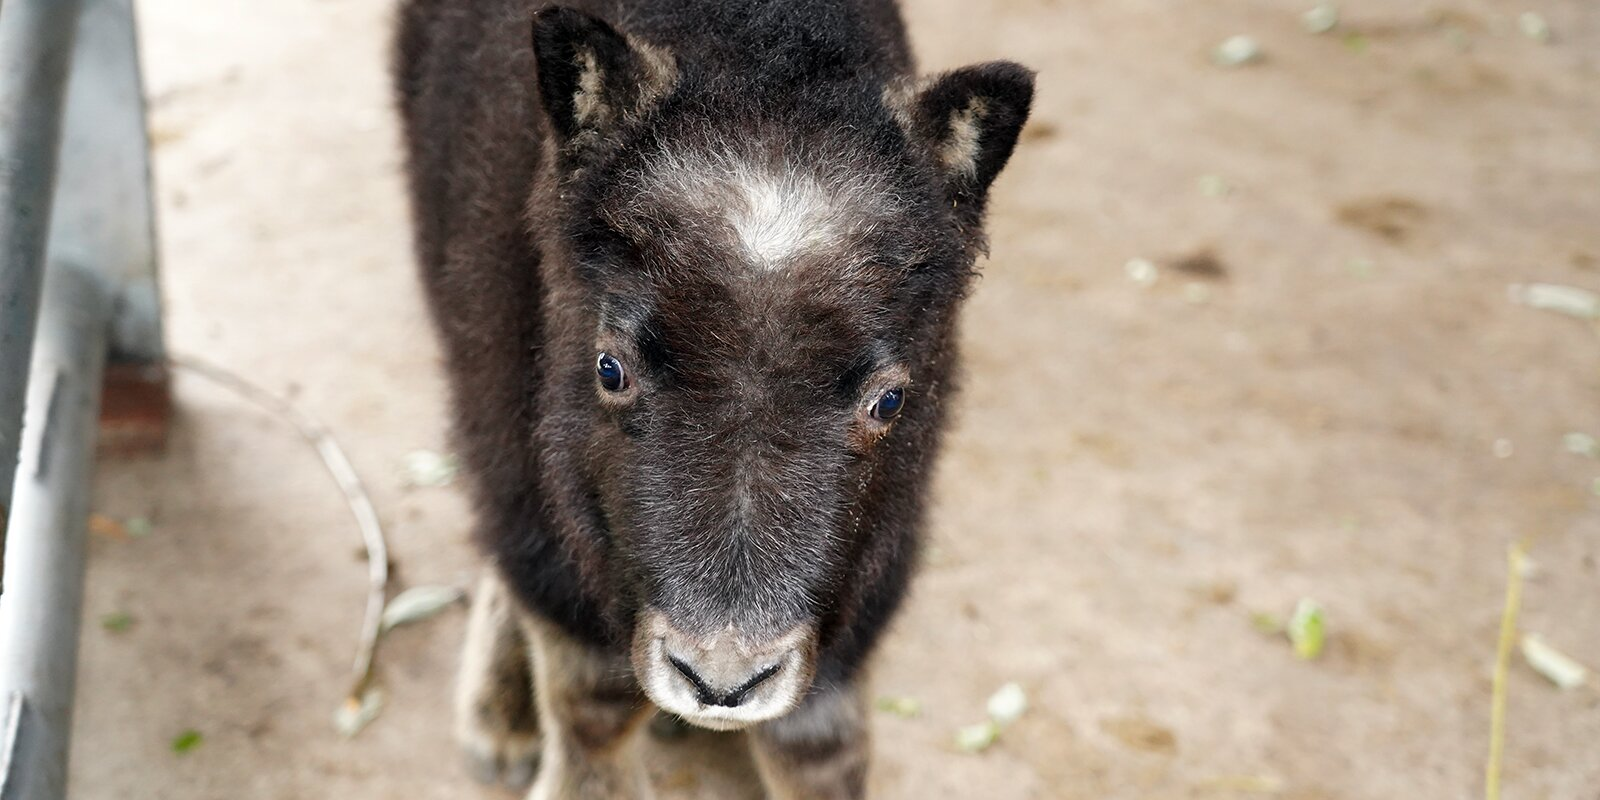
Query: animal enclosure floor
(1325, 393)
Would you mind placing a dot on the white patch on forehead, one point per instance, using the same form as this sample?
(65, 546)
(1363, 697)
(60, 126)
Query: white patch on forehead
(775, 211)
(779, 216)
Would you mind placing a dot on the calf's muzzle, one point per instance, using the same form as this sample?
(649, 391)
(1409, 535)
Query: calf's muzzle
(726, 680)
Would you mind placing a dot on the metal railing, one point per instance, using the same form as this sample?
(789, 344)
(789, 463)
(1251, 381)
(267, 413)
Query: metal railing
(77, 290)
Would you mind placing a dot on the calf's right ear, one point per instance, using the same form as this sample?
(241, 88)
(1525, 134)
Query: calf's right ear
(969, 119)
(592, 78)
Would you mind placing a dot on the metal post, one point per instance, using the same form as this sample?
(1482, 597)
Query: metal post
(103, 215)
(40, 612)
(104, 218)
(35, 43)
(99, 297)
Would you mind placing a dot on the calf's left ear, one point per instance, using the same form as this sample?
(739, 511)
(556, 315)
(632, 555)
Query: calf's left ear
(970, 119)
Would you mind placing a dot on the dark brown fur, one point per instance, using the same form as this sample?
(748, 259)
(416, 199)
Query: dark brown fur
(739, 480)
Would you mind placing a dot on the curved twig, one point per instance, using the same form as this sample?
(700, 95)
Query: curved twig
(355, 495)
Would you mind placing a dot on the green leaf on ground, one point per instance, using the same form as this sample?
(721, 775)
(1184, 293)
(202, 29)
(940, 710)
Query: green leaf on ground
(978, 737)
(1305, 629)
(419, 603)
(906, 707)
(117, 621)
(186, 741)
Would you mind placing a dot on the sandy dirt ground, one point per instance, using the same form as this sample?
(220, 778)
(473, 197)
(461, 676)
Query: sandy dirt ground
(1326, 393)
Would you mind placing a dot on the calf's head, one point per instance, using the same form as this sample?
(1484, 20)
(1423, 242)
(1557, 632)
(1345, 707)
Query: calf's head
(767, 275)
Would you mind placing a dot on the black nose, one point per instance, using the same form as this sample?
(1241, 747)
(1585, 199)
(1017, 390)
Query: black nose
(730, 698)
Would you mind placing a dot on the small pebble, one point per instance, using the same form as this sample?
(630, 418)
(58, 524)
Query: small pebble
(1503, 448)
(1533, 25)
(1007, 704)
(1236, 51)
(1142, 271)
(1321, 19)
(1214, 186)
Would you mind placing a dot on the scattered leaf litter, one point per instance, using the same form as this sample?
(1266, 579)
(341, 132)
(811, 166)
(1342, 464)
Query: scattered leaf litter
(1569, 300)
(1581, 444)
(117, 621)
(905, 707)
(1215, 186)
(1533, 25)
(357, 712)
(1004, 707)
(1556, 666)
(426, 468)
(1516, 557)
(1305, 629)
(109, 527)
(978, 737)
(187, 741)
(419, 603)
(1269, 624)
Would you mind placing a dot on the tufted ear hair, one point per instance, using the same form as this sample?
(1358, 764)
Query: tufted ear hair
(592, 78)
(969, 119)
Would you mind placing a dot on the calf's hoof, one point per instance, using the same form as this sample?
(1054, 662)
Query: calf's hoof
(503, 761)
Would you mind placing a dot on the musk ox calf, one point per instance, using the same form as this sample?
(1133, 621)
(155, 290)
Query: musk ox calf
(696, 267)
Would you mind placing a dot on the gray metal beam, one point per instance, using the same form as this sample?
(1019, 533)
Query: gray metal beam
(39, 615)
(99, 297)
(35, 43)
(103, 216)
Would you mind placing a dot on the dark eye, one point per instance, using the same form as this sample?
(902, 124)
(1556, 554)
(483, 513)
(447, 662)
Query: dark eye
(888, 404)
(609, 370)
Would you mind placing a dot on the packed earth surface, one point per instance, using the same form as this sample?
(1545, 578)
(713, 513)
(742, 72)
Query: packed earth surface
(1313, 381)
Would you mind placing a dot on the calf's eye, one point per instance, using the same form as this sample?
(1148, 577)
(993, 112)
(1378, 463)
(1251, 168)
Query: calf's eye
(609, 370)
(888, 405)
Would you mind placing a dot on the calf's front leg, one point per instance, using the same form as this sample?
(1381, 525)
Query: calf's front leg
(496, 722)
(819, 750)
(589, 706)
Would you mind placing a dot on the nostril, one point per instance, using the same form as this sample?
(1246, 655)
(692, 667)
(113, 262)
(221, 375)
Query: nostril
(712, 697)
(736, 696)
(701, 690)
